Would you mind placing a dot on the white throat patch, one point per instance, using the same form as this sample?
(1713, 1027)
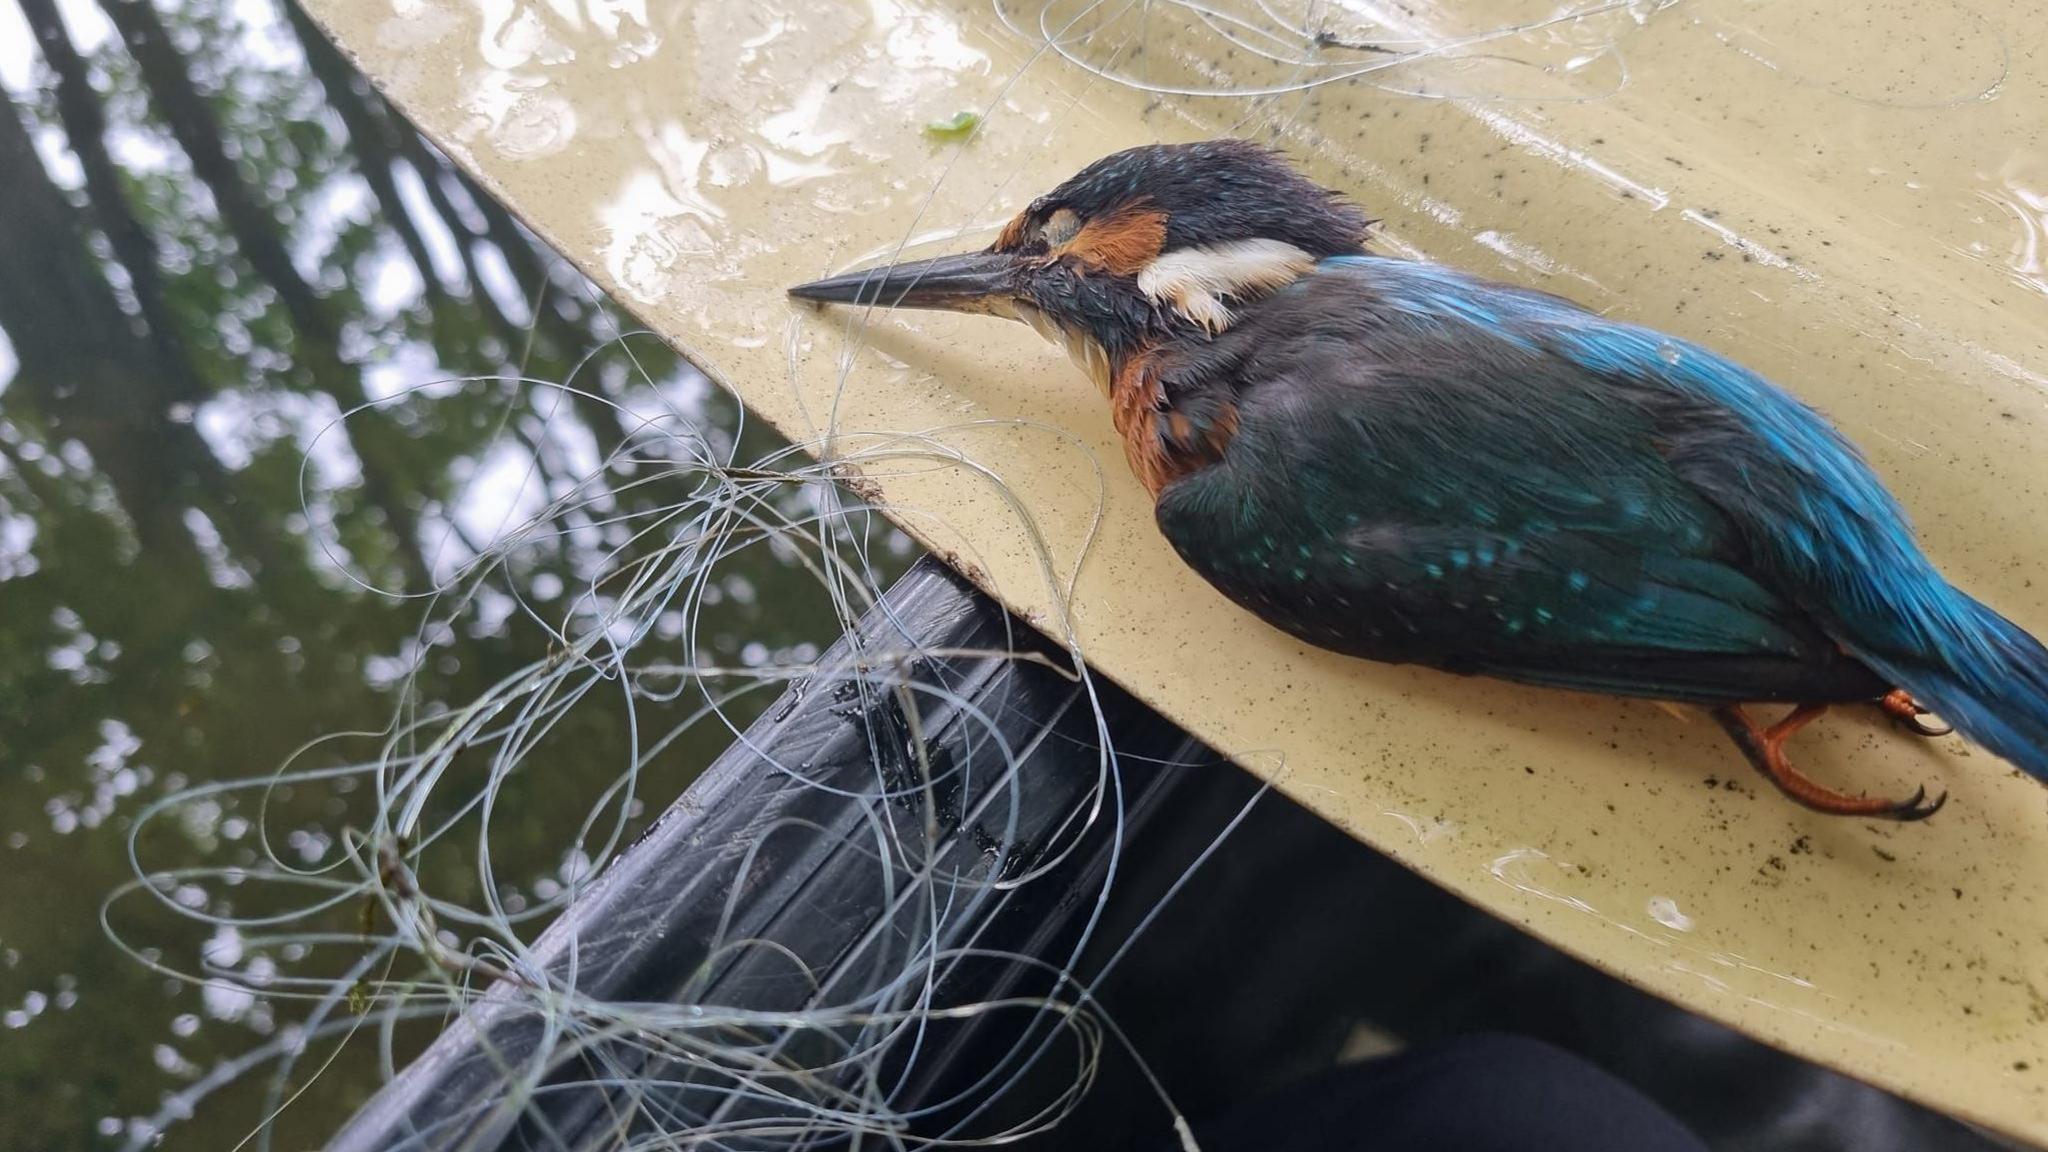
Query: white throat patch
(1080, 347)
(1196, 282)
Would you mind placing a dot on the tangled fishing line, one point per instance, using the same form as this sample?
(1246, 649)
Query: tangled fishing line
(376, 935)
(1259, 50)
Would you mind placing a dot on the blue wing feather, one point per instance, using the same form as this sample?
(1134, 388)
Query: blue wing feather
(1661, 520)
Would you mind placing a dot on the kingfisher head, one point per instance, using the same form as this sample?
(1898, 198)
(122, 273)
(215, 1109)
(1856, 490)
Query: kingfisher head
(1148, 245)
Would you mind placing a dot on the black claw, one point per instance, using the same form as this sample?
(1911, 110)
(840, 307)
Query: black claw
(1919, 727)
(1915, 808)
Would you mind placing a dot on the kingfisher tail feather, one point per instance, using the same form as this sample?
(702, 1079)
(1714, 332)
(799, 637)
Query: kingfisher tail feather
(1990, 681)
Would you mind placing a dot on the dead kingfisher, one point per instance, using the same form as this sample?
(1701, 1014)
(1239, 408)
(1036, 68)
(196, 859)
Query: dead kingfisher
(1401, 462)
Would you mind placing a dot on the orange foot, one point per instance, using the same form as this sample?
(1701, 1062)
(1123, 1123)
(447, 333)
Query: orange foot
(1765, 748)
(1900, 706)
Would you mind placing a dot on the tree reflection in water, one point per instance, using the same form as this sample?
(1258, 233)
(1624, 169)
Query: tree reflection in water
(215, 240)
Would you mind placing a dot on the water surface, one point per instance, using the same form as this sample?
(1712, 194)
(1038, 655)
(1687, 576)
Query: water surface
(215, 241)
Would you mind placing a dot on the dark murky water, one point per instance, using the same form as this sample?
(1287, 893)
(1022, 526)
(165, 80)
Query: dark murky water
(214, 241)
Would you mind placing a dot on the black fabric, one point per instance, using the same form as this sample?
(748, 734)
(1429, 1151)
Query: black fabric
(1486, 1093)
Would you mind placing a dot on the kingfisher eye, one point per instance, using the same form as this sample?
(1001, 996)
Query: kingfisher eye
(1060, 227)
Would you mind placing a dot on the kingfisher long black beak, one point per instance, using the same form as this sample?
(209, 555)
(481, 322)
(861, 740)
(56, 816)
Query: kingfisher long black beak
(968, 282)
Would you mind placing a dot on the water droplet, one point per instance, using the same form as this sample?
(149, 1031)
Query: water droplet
(1670, 353)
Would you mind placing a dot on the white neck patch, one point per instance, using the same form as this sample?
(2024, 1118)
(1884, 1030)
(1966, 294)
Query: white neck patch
(1196, 282)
